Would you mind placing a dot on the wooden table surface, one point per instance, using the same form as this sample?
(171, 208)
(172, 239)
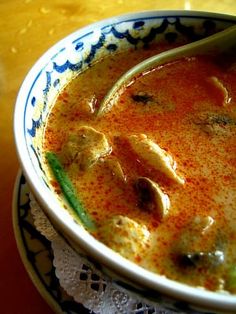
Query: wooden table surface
(27, 29)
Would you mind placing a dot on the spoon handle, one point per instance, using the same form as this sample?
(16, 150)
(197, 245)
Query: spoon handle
(218, 43)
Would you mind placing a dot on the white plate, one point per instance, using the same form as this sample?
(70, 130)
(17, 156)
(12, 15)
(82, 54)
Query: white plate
(36, 254)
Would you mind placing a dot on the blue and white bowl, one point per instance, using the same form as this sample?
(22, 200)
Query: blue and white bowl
(41, 86)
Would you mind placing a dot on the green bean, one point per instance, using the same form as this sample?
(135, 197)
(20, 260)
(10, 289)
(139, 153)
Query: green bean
(68, 190)
(231, 279)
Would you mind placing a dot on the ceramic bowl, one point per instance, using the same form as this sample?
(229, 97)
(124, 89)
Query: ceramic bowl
(42, 84)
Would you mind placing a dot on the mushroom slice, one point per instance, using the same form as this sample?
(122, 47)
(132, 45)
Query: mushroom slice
(124, 235)
(142, 97)
(202, 259)
(85, 147)
(115, 167)
(201, 244)
(155, 156)
(151, 197)
(215, 123)
(222, 90)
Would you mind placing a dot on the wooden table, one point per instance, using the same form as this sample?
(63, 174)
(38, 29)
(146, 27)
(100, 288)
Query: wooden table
(27, 29)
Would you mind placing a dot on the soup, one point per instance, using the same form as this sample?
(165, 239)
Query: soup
(156, 174)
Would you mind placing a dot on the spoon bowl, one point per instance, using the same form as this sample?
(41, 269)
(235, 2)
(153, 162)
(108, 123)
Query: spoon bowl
(221, 42)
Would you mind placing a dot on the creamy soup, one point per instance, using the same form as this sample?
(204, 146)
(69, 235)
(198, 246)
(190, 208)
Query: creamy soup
(155, 174)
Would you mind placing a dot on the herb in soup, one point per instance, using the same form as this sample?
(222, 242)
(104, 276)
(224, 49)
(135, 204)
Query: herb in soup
(156, 174)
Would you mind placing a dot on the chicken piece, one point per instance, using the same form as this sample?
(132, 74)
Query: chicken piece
(84, 148)
(115, 167)
(221, 89)
(155, 156)
(151, 197)
(125, 236)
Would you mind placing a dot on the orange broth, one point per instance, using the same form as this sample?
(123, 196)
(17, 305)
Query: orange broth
(173, 105)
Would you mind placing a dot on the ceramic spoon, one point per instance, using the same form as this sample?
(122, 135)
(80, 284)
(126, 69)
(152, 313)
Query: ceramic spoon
(218, 43)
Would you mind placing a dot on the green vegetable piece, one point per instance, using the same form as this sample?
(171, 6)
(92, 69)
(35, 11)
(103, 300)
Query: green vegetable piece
(68, 190)
(230, 282)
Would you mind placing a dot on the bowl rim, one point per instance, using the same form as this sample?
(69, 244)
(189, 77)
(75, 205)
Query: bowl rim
(94, 248)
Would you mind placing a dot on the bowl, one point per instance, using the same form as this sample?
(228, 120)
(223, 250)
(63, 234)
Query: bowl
(36, 96)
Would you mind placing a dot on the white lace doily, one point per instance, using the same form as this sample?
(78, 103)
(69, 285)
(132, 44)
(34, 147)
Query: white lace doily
(86, 284)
